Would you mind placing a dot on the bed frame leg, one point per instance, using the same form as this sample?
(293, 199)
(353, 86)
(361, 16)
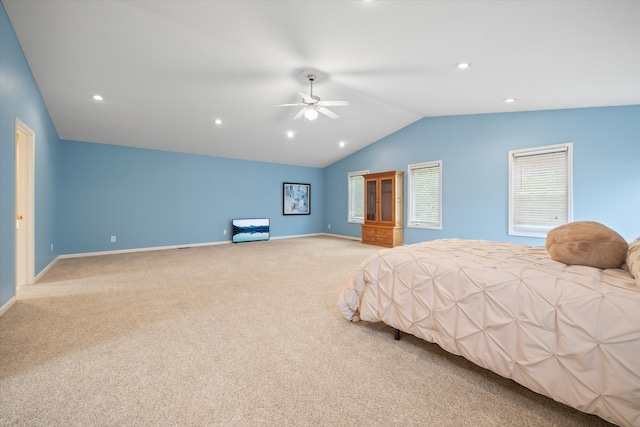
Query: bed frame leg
(397, 336)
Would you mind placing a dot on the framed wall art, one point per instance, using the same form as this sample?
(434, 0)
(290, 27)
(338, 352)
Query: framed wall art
(296, 198)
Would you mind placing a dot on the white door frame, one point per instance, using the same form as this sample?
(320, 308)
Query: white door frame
(26, 161)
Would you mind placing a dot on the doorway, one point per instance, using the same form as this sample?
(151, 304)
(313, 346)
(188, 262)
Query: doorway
(25, 189)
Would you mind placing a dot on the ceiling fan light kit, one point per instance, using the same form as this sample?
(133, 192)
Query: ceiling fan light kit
(312, 104)
(310, 113)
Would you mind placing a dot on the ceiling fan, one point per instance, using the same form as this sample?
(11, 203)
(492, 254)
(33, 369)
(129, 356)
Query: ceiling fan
(312, 104)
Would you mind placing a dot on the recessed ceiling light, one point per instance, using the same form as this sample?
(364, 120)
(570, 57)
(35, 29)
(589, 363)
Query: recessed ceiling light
(290, 134)
(509, 100)
(97, 97)
(342, 144)
(218, 121)
(463, 65)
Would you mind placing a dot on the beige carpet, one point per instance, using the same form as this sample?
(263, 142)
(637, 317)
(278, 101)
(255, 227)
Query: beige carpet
(234, 335)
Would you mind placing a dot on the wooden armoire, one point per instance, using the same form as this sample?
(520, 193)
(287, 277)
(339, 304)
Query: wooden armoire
(383, 209)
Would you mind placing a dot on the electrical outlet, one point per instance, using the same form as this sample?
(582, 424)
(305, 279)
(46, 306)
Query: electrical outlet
(224, 231)
(329, 226)
(113, 239)
(52, 247)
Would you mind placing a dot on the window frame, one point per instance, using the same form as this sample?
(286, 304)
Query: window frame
(411, 195)
(536, 151)
(350, 218)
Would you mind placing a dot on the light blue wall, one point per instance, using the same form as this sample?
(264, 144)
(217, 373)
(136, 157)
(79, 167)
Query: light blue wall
(149, 198)
(20, 98)
(474, 149)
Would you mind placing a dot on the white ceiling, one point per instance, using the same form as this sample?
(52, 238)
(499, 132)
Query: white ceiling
(167, 69)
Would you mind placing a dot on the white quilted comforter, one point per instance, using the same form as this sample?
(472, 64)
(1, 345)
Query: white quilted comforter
(569, 332)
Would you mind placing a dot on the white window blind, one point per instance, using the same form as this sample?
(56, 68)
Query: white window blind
(425, 200)
(540, 196)
(356, 196)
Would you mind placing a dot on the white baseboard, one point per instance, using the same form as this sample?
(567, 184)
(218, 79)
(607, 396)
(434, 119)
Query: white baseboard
(295, 236)
(342, 237)
(44, 270)
(7, 305)
(318, 234)
(133, 250)
(186, 245)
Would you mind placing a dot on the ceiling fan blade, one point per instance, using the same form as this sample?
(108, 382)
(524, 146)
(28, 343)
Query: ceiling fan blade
(327, 112)
(288, 105)
(300, 113)
(336, 103)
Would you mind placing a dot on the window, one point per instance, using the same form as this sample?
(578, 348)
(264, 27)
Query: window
(425, 195)
(540, 189)
(356, 196)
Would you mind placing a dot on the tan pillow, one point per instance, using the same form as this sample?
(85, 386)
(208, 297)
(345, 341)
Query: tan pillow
(633, 259)
(587, 243)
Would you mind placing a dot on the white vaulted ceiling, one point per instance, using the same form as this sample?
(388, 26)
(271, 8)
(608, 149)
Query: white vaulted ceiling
(168, 69)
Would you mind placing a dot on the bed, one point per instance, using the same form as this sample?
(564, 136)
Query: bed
(570, 332)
